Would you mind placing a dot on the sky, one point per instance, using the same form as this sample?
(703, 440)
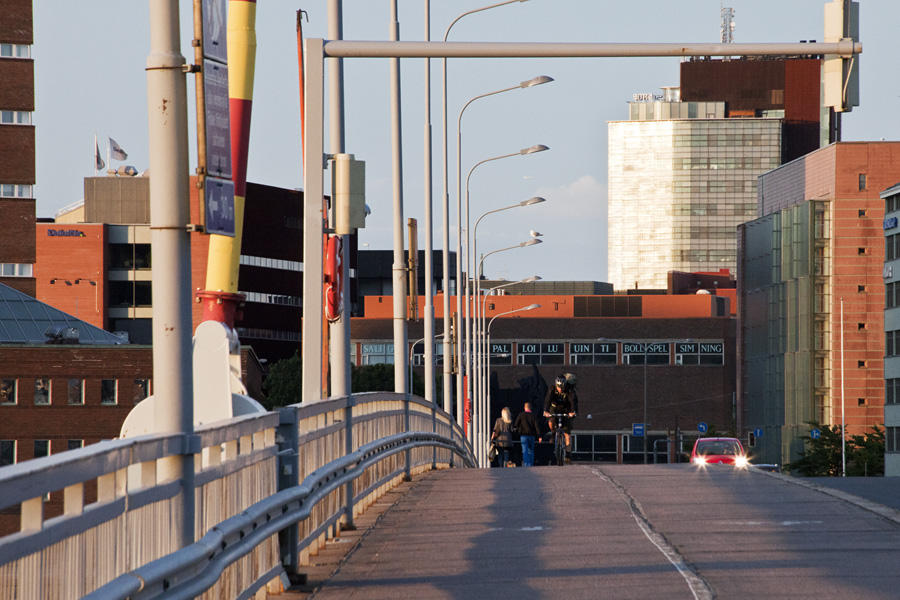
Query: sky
(90, 80)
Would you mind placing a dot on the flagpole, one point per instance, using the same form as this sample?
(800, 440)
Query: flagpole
(95, 155)
(108, 163)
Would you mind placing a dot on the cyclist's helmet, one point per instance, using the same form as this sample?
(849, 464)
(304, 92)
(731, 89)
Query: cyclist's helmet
(561, 382)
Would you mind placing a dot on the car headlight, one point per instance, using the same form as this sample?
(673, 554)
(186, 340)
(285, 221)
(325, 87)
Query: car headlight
(699, 460)
(741, 461)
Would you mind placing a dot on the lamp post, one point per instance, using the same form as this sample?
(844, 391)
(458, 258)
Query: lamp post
(644, 346)
(485, 381)
(488, 333)
(524, 151)
(477, 361)
(446, 216)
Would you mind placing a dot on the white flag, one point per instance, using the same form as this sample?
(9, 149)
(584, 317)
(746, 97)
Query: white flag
(115, 150)
(99, 161)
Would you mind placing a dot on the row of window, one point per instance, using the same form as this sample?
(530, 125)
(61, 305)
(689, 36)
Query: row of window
(45, 391)
(892, 295)
(15, 117)
(752, 163)
(726, 139)
(554, 353)
(892, 247)
(892, 343)
(272, 263)
(9, 456)
(892, 203)
(15, 190)
(16, 270)
(15, 51)
(712, 210)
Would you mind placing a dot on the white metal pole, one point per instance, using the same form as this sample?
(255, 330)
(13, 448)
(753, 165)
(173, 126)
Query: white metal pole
(843, 423)
(170, 241)
(340, 330)
(399, 268)
(313, 192)
(429, 242)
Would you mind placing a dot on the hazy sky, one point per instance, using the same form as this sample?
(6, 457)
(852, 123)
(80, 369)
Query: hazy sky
(90, 79)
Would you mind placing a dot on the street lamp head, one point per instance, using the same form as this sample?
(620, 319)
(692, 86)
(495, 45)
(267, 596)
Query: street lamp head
(532, 307)
(531, 279)
(536, 81)
(533, 149)
(530, 242)
(530, 201)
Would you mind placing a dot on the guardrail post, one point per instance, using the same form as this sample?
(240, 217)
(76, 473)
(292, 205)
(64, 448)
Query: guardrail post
(347, 522)
(288, 477)
(407, 475)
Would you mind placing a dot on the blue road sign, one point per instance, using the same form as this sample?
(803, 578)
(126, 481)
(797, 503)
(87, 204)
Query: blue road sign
(219, 206)
(758, 432)
(702, 427)
(815, 434)
(637, 430)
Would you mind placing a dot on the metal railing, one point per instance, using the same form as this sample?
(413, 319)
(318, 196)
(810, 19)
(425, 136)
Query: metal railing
(270, 489)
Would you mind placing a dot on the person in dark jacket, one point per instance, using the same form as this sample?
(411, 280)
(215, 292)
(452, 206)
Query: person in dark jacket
(502, 438)
(562, 400)
(527, 426)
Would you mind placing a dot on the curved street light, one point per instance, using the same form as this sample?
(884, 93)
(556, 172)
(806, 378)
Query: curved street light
(474, 347)
(483, 442)
(481, 399)
(446, 215)
(468, 330)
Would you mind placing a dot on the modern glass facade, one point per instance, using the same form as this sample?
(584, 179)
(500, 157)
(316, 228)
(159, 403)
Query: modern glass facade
(679, 187)
(891, 275)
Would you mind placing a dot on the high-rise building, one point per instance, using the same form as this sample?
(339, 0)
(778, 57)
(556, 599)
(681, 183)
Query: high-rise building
(17, 157)
(811, 290)
(683, 168)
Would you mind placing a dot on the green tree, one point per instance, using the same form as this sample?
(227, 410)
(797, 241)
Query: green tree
(284, 383)
(380, 378)
(822, 457)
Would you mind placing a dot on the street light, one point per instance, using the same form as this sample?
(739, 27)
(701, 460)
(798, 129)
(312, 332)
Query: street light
(483, 442)
(644, 347)
(473, 348)
(524, 151)
(484, 382)
(446, 215)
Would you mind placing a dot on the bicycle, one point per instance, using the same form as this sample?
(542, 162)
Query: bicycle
(559, 440)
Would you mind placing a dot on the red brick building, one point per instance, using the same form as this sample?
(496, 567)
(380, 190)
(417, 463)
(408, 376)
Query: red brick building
(17, 149)
(811, 295)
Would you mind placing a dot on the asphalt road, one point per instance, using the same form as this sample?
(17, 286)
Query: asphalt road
(623, 531)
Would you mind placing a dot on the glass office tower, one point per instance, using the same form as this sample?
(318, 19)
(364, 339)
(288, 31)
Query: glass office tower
(681, 178)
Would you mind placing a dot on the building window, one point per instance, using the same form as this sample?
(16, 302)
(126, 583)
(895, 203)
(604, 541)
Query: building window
(860, 401)
(15, 51)
(15, 190)
(42, 391)
(376, 354)
(861, 251)
(862, 181)
(892, 391)
(15, 270)
(528, 353)
(15, 117)
(657, 353)
(7, 452)
(861, 364)
(8, 391)
(109, 391)
(604, 353)
(129, 256)
(892, 439)
(699, 353)
(141, 389)
(41, 448)
(892, 295)
(76, 391)
(861, 213)
(75, 444)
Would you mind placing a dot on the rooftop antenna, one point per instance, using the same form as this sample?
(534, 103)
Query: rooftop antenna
(727, 30)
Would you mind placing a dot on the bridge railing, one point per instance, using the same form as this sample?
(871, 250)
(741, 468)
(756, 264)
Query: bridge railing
(293, 477)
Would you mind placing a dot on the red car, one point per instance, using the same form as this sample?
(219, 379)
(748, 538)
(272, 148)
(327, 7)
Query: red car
(726, 451)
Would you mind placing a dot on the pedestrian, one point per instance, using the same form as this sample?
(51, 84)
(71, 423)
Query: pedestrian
(527, 427)
(501, 437)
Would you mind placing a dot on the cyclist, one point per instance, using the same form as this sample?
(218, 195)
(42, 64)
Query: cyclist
(562, 399)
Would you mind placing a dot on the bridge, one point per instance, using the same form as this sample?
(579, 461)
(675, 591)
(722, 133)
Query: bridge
(276, 494)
